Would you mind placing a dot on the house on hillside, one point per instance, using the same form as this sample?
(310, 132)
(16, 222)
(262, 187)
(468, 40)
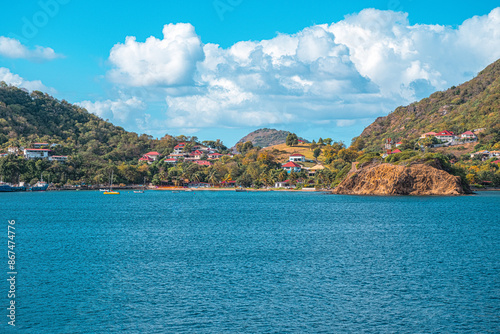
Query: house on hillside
(396, 151)
(446, 136)
(291, 167)
(36, 153)
(196, 155)
(147, 159)
(153, 155)
(399, 144)
(297, 157)
(483, 155)
(179, 148)
(468, 135)
(3, 155)
(214, 156)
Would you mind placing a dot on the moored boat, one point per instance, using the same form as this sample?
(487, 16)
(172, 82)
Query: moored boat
(40, 186)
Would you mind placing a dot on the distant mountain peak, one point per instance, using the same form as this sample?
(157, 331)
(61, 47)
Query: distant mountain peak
(267, 137)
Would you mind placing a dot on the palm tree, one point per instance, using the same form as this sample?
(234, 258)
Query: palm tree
(282, 175)
(213, 177)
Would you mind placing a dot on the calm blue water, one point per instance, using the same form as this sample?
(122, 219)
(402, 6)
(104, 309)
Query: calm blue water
(164, 262)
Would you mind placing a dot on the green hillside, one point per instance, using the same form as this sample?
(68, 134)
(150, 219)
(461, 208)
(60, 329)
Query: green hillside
(472, 105)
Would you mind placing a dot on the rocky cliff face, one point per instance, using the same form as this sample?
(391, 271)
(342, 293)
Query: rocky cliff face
(388, 179)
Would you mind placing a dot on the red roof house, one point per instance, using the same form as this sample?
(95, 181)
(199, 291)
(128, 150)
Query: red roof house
(445, 133)
(396, 151)
(291, 167)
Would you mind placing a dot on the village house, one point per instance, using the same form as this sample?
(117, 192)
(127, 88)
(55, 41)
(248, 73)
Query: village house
(468, 135)
(196, 154)
(483, 155)
(153, 155)
(198, 185)
(446, 136)
(3, 155)
(291, 167)
(150, 157)
(36, 153)
(297, 157)
(399, 144)
(147, 159)
(179, 148)
(40, 145)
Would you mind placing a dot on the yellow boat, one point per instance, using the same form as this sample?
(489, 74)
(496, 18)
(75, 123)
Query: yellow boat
(110, 191)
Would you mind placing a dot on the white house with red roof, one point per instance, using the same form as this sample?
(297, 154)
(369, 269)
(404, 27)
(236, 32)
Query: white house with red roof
(469, 135)
(445, 136)
(399, 144)
(297, 157)
(171, 160)
(40, 145)
(146, 159)
(153, 155)
(196, 154)
(291, 167)
(36, 153)
(3, 155)
(179, 148)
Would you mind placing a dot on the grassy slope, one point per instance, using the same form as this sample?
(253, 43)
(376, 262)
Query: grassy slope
(286, 151)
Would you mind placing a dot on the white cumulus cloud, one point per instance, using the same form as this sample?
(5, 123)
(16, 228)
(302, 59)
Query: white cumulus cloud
(12, 48)
(337, 74)
(169, 61)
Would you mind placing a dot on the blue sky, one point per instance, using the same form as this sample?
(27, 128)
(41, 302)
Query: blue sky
(220, 69)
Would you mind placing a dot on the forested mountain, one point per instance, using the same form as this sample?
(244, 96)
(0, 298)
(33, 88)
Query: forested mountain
(37, 117)
(472, 105)
(267, 137)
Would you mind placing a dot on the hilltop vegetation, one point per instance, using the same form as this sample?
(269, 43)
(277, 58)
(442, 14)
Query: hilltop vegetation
(266, 137)
(472, 105)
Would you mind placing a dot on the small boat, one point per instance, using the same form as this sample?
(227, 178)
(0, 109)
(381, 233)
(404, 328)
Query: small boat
(103, 190)
(176, 191)
(240, 190)
(40, 185)
(110, 191)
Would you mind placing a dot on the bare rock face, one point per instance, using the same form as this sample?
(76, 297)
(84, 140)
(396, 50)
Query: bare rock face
(388, 179)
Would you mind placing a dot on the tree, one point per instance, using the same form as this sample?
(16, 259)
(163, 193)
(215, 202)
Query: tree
(348, 155)
(320, 141)
(316, 152)
(292, 139)
(243, 148)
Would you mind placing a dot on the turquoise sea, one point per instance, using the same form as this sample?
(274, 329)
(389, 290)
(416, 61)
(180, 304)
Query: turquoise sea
(255, 262)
